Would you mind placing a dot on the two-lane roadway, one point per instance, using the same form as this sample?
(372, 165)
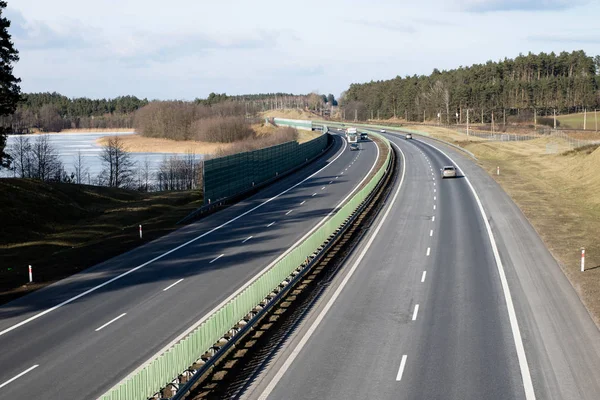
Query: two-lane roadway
(451, 296)
(79, 337)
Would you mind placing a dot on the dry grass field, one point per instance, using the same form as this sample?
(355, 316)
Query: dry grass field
(61, 228)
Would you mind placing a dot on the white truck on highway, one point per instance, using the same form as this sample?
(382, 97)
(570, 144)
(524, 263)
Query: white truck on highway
(352, 136)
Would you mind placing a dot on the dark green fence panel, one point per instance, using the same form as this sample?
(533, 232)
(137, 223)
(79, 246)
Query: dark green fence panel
(231, 175)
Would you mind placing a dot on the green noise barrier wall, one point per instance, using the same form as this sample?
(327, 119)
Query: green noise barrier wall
(294, 123)
(162, 370)
(228, 176)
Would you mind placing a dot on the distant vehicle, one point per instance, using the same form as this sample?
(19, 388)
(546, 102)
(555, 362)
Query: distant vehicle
(409, 135)
(364, 136)
(351, 131)
(382, 131)
(354, 146)
(449, 171)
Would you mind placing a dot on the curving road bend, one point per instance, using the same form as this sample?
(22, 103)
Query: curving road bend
(420, 312)
(80, 336)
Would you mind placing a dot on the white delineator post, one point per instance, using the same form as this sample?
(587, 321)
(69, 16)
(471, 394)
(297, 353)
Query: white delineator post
(498, 170)
(30, 274)
(582, 259)
(140, 231)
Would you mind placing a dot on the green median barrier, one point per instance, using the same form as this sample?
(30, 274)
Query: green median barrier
(165, 368)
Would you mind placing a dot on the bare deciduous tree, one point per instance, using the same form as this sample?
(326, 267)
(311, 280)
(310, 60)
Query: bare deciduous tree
(81, 169)
(118, 165)
(46, 162)
(179, 173)
(20, 152)
(144, 176)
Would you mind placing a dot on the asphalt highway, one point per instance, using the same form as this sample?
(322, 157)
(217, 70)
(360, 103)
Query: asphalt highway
(429, 307)
(77, 338)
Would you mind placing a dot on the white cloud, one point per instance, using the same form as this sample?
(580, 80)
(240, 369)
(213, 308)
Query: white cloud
(186, 48)
(520, 5)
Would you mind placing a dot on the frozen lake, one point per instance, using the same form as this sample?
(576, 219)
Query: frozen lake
(67, 145)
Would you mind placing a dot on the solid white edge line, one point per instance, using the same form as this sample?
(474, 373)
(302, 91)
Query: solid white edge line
(415, 312)
(512, 315)
(72, 299)
(401, 369)
(258, 275)
(170, 286)
(18, 376)
(215, 259)
(288, 362)
(110, 322)
(423, 276)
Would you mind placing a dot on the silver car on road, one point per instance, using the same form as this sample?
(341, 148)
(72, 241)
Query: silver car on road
(449, 171)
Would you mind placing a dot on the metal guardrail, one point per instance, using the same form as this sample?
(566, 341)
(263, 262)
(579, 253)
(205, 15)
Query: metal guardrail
(154, 376)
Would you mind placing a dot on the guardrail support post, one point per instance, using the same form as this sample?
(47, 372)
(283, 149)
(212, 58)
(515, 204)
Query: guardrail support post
(582, 259)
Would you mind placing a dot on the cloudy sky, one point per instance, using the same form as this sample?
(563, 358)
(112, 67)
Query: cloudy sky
(183, 49)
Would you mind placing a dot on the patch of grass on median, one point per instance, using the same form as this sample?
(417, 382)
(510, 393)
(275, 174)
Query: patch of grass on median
(61, 229)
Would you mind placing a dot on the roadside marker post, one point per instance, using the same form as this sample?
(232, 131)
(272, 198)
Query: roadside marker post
(140, 231)
(498, 170)
(582, 259)
(30, 274)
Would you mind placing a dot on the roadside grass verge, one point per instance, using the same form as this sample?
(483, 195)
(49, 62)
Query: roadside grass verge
(559, 194)
(61, 229)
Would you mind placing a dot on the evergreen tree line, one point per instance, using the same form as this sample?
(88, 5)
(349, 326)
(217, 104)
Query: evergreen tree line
(270, 101)
(565, 83)
(53, 112)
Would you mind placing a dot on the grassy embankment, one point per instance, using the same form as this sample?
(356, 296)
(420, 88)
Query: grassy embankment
(140, 144)
(61, 229)
(559, 194)
(575, 121)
